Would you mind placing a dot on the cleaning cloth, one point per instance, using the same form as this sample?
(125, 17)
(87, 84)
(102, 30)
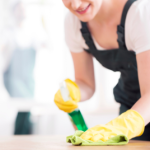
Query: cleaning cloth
(76, 140)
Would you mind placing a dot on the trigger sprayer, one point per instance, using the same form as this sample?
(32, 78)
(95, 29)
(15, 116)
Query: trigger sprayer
(75, 116)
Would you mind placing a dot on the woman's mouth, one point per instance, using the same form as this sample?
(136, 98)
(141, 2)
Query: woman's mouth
(83, 10)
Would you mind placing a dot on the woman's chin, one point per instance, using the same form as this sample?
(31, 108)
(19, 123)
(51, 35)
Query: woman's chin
(85, 19)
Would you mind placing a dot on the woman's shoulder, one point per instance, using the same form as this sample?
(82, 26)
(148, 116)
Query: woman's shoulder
(73, 36)
(72, 21)
(140, 7)
(138, 26)
(138, 14)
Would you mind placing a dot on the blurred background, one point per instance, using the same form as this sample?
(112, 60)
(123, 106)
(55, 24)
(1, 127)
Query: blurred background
(34, 59)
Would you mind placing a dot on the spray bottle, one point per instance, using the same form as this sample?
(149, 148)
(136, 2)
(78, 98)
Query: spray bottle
(75, 116)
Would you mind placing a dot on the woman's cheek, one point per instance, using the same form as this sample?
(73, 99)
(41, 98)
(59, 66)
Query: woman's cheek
(66, 3)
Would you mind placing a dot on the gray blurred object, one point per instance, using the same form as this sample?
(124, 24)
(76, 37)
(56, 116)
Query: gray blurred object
(21, 36)
(18, 77)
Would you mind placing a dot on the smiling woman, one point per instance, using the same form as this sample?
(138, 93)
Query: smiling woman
(115, 32)
(85, 10)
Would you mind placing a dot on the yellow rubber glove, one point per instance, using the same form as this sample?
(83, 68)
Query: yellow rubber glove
(75, 96)
(129, 123)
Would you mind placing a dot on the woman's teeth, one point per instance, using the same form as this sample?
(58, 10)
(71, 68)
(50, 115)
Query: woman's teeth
(83, 9)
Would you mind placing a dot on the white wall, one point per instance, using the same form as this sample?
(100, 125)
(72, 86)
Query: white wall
(54, 64)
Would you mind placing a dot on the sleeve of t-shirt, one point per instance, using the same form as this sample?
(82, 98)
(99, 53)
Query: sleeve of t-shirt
(140, 29)
(73, 36)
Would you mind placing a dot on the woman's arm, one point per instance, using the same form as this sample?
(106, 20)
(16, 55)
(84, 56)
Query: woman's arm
(143, 104)
(84, 74)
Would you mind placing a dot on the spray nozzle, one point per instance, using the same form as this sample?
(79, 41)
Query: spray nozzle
(64, 91)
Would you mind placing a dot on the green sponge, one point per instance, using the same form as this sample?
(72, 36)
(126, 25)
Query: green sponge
(76, 140)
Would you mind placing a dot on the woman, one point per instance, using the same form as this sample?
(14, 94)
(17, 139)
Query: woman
(93, 28)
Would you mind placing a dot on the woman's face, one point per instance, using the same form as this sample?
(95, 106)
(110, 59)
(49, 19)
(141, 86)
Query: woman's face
(85, 10)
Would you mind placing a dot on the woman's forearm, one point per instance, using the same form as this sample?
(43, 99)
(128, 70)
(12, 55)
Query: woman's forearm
(86, 91)
(142, 106)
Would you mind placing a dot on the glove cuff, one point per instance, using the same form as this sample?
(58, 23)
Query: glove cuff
(140, 119)
(130, 123)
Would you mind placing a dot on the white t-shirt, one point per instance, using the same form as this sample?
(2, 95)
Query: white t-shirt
(137, 29)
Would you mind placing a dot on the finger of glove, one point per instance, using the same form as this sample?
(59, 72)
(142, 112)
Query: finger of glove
(96, 137)
(86, 135)
(99, 132)
(107, 136)
(58, 98)
(73, 90)
(66, 108)
(127, 123)
(93, 136)
(65, 105)
(100, 127)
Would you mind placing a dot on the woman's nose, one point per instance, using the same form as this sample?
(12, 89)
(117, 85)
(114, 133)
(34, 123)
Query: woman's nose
(76, 4)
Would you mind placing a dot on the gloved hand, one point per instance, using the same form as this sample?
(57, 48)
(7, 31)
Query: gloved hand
(75, 96)
(129, 123)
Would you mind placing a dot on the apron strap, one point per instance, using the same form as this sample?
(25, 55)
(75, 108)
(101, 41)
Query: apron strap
(121, 27)
(87, 37)
(120, 31)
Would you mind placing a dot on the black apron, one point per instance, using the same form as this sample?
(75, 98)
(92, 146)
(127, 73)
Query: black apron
(127, 90)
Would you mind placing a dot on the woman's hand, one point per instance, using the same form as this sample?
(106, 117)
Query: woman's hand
(130, 124)
(71, 104)
(83, 87)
